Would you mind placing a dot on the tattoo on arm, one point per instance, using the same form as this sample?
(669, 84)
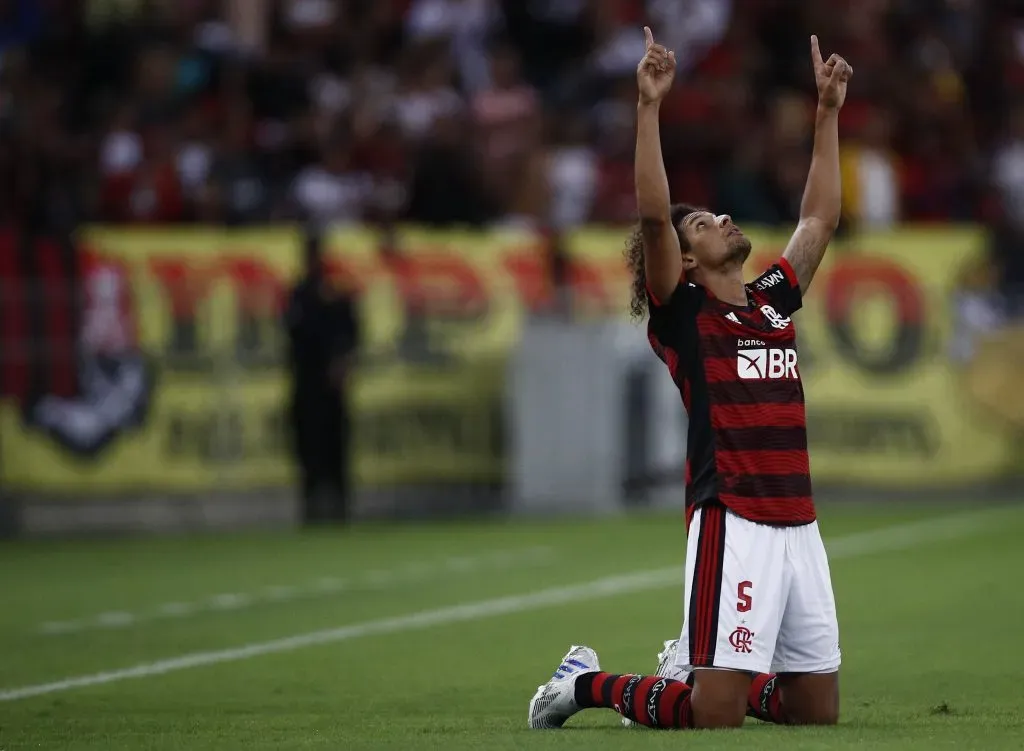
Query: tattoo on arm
(806, 249)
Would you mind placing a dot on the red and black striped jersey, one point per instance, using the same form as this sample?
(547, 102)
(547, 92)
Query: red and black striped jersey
(737, 370)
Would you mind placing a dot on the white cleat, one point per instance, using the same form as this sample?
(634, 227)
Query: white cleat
(555, 701)
(666, 669)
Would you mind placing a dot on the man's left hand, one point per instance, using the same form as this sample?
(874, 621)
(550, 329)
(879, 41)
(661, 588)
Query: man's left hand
(831, 77)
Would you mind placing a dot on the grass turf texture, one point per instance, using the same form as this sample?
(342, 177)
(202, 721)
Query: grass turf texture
(931, 635)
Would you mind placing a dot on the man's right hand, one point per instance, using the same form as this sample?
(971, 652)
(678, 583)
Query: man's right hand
(655, 73)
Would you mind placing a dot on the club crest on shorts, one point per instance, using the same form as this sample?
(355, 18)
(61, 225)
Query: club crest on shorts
(742, 640)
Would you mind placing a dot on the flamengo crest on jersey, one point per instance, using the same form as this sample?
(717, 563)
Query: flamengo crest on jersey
(779, 322)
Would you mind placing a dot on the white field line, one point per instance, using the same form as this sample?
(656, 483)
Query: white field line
(894, 538)
(415, 572)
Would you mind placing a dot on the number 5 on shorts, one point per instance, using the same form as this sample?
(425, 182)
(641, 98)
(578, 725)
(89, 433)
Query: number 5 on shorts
(744, 600)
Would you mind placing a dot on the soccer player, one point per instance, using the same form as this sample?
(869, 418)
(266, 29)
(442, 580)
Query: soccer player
(760, 635)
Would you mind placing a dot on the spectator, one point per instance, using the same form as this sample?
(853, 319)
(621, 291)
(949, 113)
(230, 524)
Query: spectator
(121, 147)
(692, 27)
(616, 197)
(1008, 169)
(331, 191)
(155, 85)
(871, 189)
(463, 25)
(619, 40)
(446, 185)
(425, 92)
(571, 172)
(149, 192)
(237, 190)
(506, 118)
(506, 112)
(195, 156)
(227, 111)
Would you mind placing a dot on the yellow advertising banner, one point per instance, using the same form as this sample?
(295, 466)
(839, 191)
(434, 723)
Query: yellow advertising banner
(208, 423)
(886, 404)
(205, 307)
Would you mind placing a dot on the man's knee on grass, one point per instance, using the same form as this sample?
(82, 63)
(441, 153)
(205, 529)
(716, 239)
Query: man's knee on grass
(810, 698)
(720, 698)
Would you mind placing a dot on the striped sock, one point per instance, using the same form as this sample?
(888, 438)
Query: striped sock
(647, 699)
(764, 701)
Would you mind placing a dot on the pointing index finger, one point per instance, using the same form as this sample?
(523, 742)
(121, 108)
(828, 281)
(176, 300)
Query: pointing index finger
(649, 36)
(816, 52)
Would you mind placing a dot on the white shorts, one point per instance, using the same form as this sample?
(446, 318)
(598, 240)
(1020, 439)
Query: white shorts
(758, 598)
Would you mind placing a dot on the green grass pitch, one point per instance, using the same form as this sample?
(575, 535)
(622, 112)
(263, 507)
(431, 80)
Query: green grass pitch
(435, 636)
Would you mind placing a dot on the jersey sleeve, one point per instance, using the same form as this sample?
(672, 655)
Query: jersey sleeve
(672, 321)
(780, 285)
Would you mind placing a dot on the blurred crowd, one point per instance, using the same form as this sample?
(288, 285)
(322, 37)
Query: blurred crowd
(499, 112)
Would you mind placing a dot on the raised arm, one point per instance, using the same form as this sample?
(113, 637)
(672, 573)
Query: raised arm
(662, 259)
(822, 202)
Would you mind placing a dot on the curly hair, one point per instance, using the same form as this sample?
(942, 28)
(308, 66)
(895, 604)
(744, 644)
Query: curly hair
(634, 255)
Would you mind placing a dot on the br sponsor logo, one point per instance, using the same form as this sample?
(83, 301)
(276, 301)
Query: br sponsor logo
(764, 364)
